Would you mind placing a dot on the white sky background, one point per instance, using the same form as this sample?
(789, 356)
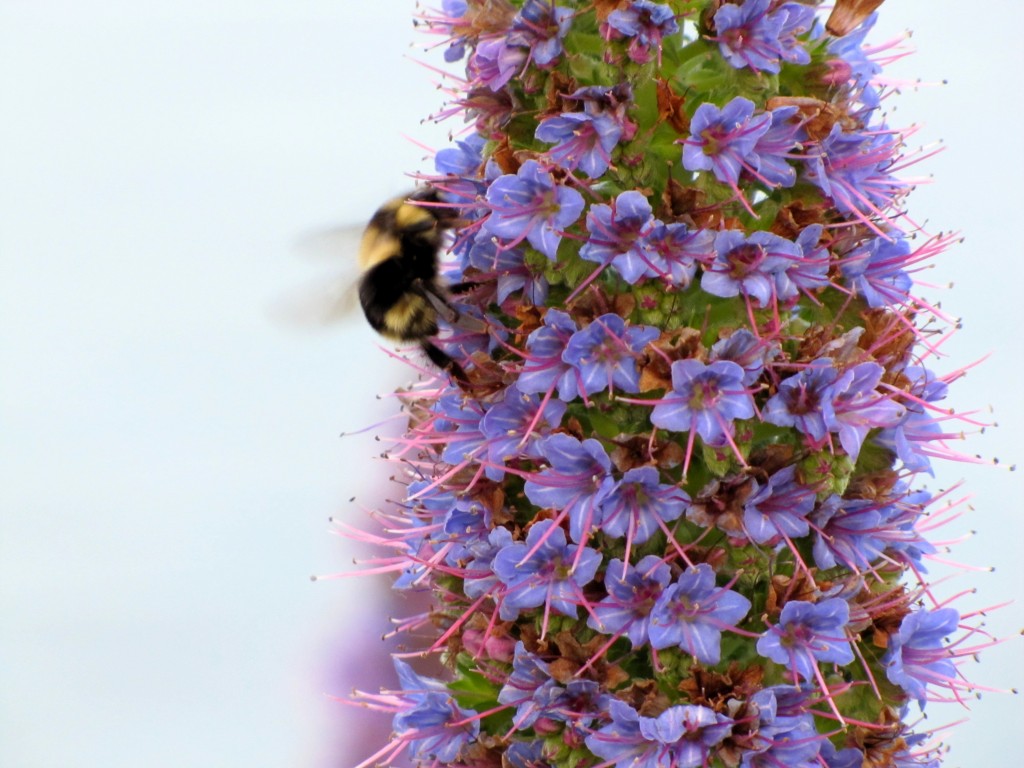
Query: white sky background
(169, 456)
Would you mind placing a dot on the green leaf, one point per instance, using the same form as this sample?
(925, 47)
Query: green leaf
(717, 460)
(605, 424)
(471, 689)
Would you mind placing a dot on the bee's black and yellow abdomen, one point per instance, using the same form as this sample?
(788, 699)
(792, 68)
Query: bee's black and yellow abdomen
(395, 302)
(398, 290)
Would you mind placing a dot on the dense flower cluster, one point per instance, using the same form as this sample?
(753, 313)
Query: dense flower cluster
(671, 519)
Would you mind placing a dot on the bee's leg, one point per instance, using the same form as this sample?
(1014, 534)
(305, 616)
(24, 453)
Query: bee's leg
(457, 289)
(442, 360)
(440, 299)
(441, 303)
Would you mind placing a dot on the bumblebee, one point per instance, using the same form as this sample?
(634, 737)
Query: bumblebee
(399, 288)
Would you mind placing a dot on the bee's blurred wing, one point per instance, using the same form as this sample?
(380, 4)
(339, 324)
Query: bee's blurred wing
(329, 298)
(337, 244)
(317, 304)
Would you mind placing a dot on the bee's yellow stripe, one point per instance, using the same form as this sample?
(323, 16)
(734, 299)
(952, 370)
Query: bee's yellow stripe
(411, 317)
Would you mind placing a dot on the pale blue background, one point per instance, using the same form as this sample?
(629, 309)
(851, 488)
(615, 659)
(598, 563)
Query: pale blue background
(170, 456)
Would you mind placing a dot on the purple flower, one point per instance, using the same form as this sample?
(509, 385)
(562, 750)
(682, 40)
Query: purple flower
(530, 205)
(916, 655)
(723, 140)
(751, 36)
(417, 551)
(902, 539)
(507, 268)
(673, 251)
(449, 22)
(924, 384)
(526, 754)
(577, 702)
(544, 570)
(847, 532)
(494, 62)
(680, 737)
(466, 526)
(543, 368)
(646, 20)
(529, 674)
(647, 23)
(604, 354)
(748, 265)
(576, 483)
(540, 26)
(840, 758)
(705, 399)
(809, 271)
(618, 235)
(853, 170)
(808, 633)
(448, 411)
(785, 734)
(748, 36)
(513, 427)
(468, 442)
(792, 749)
(581, 141)
(911, 437)
(612, 101)
(606, 99)
(799, 400)
(875, 271)
(637, 504)
(427, 718)
(854, 63)
(424, 541)
(478, 574)
(460, 165)
(746, 350)
(454, 8)
(693, 612)
(910, 440)
(775, 146)
(856, 407)
(798, 20)
(785, 709)
(632, 593)
(779, 509)
(464, 159)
